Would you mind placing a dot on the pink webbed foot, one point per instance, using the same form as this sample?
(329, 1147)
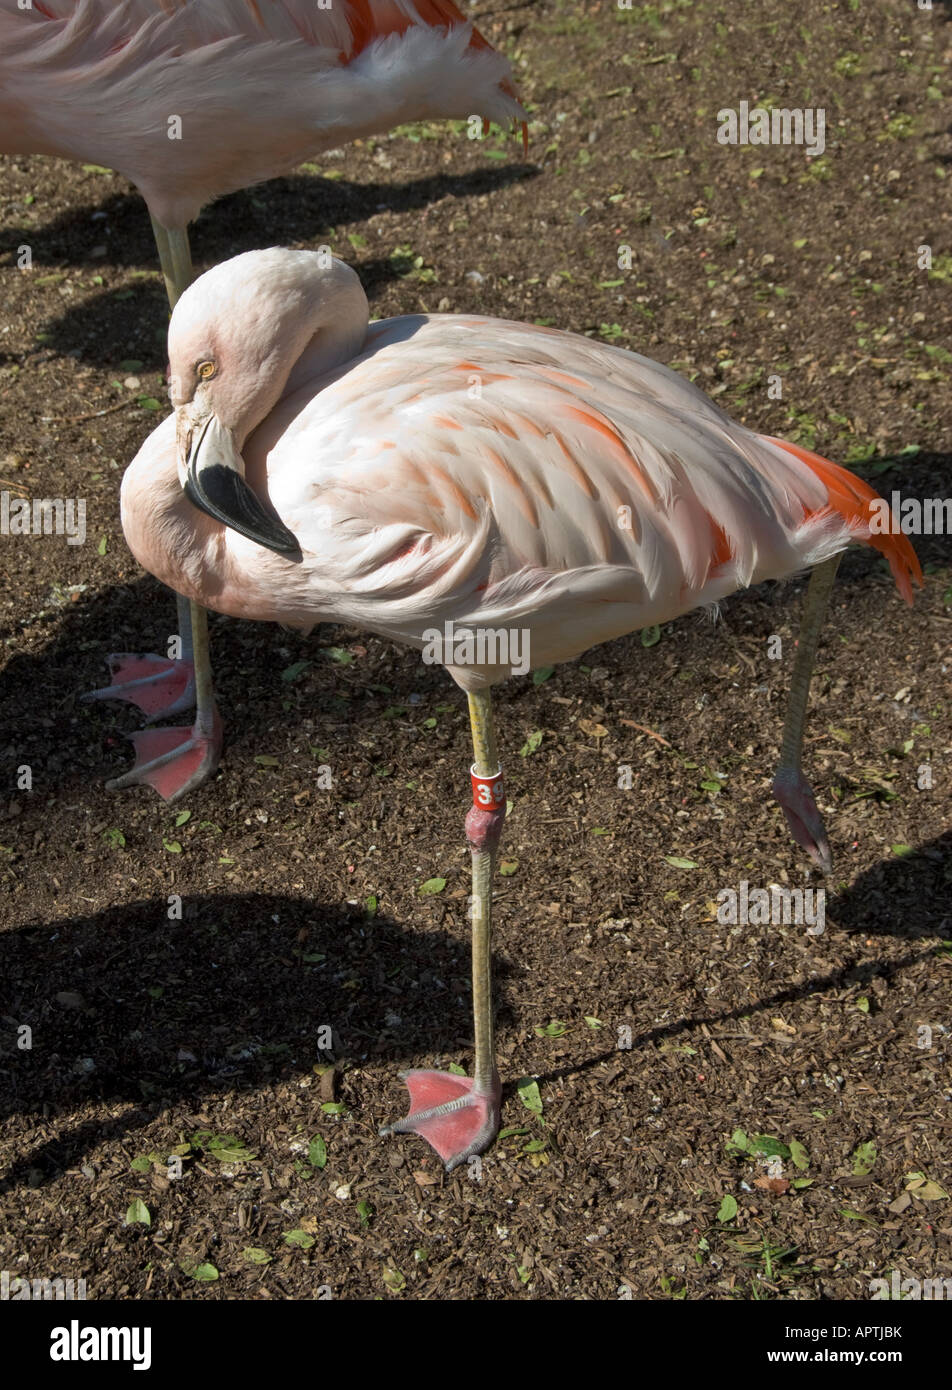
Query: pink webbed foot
(159, 686)
(795, 795)
(173, 761)
(450, 1113)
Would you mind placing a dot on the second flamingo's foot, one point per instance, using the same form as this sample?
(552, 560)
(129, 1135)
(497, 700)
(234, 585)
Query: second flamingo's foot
(173, 761)
(159, 686)
(795, 795)
(454, 1116)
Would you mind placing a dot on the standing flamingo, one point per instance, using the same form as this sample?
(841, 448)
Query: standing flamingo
(496, 477)
(192, 99)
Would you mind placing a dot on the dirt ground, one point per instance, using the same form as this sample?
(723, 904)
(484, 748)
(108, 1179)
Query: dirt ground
(722, 1111)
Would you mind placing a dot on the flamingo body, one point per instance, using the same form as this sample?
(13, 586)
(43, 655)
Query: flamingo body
(486, 474)
(257, 85)
(453, 472)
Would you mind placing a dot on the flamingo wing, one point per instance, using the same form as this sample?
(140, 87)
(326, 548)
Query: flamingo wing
(496, 472)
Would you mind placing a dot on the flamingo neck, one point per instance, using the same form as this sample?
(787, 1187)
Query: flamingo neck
(333, 346)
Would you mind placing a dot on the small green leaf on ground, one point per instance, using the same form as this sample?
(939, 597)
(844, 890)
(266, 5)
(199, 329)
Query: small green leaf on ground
(678, 863)
(727, 1209)
(301, 1239)
(137, 1213)
(531, 743)
(317, 1152)
(852, 1215)
(431, 886)
(255, 1255)
(738, 1143)
(799, 1155)
(768, 1146)
(204, 1273)
(227, 1149)
(650, 636)
(542, 674)
(864, 1156)
(925, 1189)
(528, 1089)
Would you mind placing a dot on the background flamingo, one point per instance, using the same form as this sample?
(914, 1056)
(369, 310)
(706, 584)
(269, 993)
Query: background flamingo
(255, 87)
(492, 475)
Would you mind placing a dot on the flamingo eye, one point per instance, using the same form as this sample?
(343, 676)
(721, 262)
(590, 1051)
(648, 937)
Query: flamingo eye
(206, 370)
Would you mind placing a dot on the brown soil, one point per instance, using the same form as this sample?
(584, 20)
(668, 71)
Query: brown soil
(150, 1033)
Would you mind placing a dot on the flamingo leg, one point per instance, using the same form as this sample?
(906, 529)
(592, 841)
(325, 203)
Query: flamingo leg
(790, 788)
(174, 761)
(458, 1116)
(175, 258)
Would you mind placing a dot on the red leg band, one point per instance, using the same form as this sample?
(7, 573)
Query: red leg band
(488, 811)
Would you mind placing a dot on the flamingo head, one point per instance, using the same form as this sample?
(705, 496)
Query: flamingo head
(242, 336)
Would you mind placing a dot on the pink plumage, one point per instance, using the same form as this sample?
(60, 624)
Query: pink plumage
(467, 470)
(256, 85)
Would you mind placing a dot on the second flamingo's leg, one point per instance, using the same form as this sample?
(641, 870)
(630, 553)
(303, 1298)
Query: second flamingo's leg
(458, 1116)
(174, 761)
(790, 787)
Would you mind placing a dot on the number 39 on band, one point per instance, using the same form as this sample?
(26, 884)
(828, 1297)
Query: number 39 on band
(489, 793)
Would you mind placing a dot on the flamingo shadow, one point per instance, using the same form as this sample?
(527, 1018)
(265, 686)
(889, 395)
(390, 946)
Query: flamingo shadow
(127, 1007)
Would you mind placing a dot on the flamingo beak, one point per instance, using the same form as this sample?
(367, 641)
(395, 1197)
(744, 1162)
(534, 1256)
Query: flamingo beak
(215, 483)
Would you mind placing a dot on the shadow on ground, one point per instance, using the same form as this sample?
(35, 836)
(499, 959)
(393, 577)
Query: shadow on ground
(136, 1010)
(299, 208)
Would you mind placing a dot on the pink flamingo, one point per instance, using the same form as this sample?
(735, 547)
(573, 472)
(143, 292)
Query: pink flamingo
(501, 478)
(192, 99)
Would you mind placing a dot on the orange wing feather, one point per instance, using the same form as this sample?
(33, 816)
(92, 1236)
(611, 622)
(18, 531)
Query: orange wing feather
(851, 498)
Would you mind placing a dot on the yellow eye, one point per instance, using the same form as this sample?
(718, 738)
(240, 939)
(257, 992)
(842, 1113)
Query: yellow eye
(206, 369)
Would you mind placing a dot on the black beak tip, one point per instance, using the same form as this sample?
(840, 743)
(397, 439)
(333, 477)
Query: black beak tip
(220, 493)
